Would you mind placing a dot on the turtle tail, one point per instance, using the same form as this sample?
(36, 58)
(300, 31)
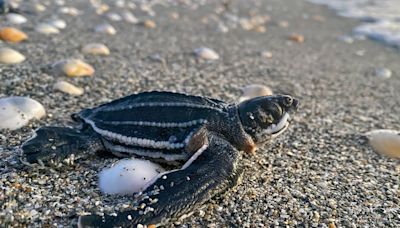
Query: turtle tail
(59, 143)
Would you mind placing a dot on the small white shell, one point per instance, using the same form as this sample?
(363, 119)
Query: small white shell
(73, 68)
(113, 17)
(14, 18)
(129, 17)
(206, 53)
(383, 73)
(47, 29)
(17, 111)
(58, 23)
(95, 49)
(252, 91)
(128, 176)
(385, 141)
(67, 87)
(10, 56)
(106, 29)
(72, 11)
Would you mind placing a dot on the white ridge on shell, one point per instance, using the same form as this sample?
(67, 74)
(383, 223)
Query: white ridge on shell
(156, 104)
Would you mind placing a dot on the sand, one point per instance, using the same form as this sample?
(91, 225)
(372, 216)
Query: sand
(321, 172)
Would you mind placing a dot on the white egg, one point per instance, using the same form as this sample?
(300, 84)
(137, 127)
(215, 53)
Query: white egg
(128, 176)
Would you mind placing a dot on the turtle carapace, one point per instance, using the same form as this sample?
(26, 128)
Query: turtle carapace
(204, 135)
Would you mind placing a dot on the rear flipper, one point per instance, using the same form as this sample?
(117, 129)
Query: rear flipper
(176, 193)
(59, 143)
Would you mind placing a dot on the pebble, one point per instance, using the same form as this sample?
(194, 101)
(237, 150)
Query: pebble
(149, 24)
(206, 53)
(106, 29)
(297, 38)
(383, 73)
(73, 68)
(68, 88)
(12, 35)
(10, 56)
(384, 141)
(16, 112)
(254, 90)
(95, 49)
(15, 18)
(46, 29)
(57, 23)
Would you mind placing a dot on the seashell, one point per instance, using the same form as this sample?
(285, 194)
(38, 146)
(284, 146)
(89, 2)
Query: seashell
(59, 2)
(102, 9)
(73, 68)
(129, 17)
(47, 29)
(69, 11)
(252, 91)
(106, 29)
(128, 176)
(260, 29)
(57, 23)
(385, 141)
(13, 35)
(266, 54)
(10, 56)
(68, 88)
(39, 7)
(14, 18)
(346, 39)
(283, 24)
(206, 53)
(297, 38)
(120, 3)
(114, 17)
(96, 49)
(16, 112)
(149, 24)
(174, 15)
(383, 73)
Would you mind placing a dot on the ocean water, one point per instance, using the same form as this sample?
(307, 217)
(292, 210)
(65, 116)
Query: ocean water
(380, 19)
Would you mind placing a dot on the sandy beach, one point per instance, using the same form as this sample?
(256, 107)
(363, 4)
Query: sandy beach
(320, 173)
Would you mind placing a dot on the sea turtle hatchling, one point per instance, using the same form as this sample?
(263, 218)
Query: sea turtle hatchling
(201, 134)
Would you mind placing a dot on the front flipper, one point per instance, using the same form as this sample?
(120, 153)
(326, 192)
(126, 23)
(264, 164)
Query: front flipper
(58, 143)
(176, 193)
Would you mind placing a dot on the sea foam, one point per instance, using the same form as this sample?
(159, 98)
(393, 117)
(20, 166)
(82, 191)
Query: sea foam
(381, 18)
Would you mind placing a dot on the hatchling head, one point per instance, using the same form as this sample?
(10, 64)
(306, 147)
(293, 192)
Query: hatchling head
(266, 117)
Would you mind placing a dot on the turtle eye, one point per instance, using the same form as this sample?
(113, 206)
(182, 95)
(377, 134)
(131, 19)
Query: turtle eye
(288, 101)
